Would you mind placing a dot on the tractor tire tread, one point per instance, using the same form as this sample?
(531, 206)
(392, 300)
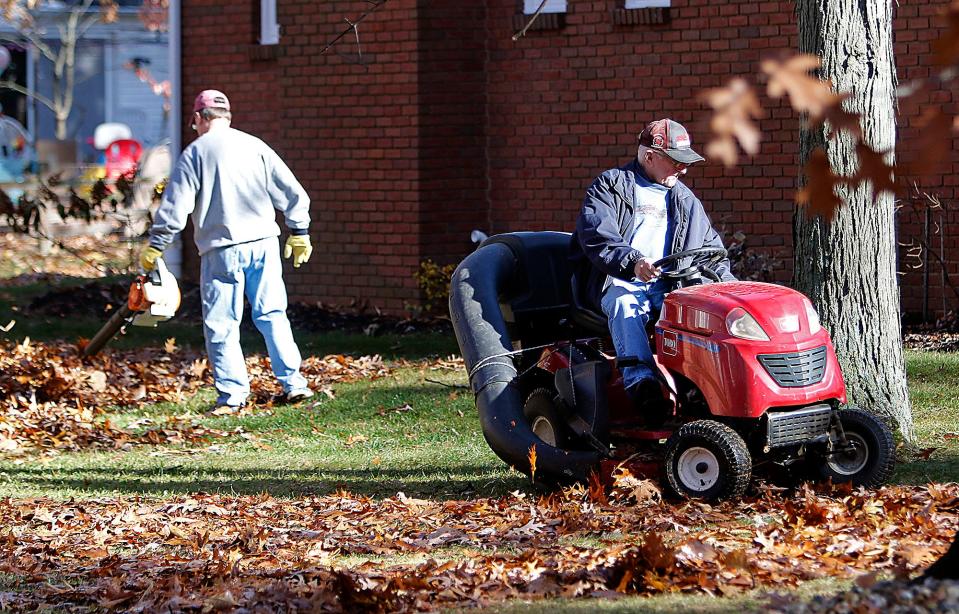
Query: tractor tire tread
(886, 460)
(728, 442)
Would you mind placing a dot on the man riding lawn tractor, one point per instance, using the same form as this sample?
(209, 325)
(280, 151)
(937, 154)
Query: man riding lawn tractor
(553, 330)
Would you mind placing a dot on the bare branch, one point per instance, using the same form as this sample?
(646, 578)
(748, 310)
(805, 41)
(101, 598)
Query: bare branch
(522, 32)
(33, 40)
(16, 87)
(353, 24)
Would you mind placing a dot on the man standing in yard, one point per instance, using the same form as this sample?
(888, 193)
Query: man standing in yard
(632, 217)
(233, 183)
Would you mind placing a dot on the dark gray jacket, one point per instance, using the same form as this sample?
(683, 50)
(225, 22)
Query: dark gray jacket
(600, 246)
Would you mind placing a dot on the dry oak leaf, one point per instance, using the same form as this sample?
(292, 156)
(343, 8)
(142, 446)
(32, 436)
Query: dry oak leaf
(531, 456)
(933, 143)
(819, 193)
(807, 94)
(841, 119)
(873, 167)
(735, 106)
(945, 50)
(352, 440)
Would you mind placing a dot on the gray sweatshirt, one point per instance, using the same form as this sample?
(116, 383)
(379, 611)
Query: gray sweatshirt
(231, 182)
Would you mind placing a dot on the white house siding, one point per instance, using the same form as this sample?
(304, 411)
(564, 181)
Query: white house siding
(105, 90)
(132, 101)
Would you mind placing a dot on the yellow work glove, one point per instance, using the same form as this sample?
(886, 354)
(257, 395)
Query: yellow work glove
(299, 247)
(148, 257)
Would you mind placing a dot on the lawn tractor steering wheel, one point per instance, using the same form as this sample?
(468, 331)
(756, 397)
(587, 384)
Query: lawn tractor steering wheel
(702, 259)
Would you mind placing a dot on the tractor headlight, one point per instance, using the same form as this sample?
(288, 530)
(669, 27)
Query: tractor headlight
(740, 324)
(814, 324)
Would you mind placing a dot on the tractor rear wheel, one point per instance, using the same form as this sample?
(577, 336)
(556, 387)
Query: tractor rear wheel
(870, 456)
(707, 460)
(543, 415)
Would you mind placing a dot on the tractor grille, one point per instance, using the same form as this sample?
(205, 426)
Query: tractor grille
(796, 369)
(787, 427)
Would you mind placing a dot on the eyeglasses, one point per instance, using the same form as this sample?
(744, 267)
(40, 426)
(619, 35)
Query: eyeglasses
(679, 166)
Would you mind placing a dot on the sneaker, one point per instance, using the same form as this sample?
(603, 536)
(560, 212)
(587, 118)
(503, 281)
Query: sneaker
(298, 394)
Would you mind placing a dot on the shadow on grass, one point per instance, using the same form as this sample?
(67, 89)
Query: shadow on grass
(448, 484)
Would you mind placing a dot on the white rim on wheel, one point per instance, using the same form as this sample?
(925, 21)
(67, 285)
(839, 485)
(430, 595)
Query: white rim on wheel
(853, 461)
(697, 469)
(543, 429)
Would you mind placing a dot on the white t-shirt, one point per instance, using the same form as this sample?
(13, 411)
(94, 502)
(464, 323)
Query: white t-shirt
(651, 224)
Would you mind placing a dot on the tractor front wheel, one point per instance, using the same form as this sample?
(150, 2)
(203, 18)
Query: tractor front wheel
(868, 456)
(707, 460)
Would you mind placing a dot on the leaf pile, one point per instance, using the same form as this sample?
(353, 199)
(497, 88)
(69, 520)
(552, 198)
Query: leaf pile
(51, 398)
(348, 552)
(931, 341)
(81, 256)
(48, 428)
(99, 298)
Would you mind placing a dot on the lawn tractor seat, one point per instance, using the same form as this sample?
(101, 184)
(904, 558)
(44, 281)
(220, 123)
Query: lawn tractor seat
(585, 317)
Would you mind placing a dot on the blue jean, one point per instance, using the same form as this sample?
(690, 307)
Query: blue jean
(226, 275)
(628, 310)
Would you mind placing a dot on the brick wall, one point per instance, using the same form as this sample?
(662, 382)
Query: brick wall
(448, 125)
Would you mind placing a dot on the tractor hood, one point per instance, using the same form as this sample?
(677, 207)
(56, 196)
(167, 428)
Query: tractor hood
(784, 314)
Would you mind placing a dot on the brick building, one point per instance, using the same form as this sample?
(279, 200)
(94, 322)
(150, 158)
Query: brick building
(439, 123)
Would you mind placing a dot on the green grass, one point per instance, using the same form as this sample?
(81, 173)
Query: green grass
(934, 391)
(357, 442)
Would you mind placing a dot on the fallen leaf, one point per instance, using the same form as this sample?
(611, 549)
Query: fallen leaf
(531, 457)
(355, 439)
(97, 380)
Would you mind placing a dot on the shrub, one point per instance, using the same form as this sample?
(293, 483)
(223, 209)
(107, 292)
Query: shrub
(434, 283)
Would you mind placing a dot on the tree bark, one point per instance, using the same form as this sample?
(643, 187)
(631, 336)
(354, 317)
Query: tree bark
(847, 266)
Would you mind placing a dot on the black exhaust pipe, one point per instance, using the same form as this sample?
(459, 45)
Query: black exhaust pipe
(478, 283)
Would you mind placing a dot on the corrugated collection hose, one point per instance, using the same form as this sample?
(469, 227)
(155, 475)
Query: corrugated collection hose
(478, 282)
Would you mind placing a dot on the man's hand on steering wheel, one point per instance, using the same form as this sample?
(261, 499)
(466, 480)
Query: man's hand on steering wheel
(701, 262)
(646, 270)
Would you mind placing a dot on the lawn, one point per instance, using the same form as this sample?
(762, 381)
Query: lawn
(386, 482)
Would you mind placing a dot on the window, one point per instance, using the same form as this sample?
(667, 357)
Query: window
(552, 6)
(642, 12)
(269, 28)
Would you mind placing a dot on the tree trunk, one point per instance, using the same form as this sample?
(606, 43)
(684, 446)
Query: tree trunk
(60, 130)
(847, 266)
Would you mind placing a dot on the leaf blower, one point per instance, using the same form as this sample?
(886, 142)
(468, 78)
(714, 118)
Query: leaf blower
(154, 297)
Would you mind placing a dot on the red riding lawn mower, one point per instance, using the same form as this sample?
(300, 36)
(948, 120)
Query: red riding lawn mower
(752, 375)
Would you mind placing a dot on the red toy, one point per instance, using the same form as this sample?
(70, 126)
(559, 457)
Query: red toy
(121, 157)
(752, 374)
